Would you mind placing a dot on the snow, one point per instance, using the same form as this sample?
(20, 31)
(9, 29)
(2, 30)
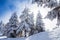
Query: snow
(38, 36)
(13, 39)
(52, 35)
(2, 37)
(55, 34)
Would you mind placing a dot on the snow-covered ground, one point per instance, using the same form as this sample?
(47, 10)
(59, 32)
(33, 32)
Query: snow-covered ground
(38, 36)
(13, 39)
(55, 34)
(1, 36)
(52, 35)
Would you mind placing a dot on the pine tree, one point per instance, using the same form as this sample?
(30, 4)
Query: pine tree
(26, 23)
(12, 26)
(54, 5)
(51, 15)
(6, 30)
(32, 23)
(55, 13)
(48, 3)
(25, 19)
(1, 27)
(39, 23)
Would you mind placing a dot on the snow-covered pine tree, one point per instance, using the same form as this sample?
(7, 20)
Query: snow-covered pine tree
(6, 30)
(54, 5)
(24, 19)
(12, 25)
(1, 27)
(39, 23)
(48, 3)
(32, 23)
(51, 15)
(55, 13)
(26, 23)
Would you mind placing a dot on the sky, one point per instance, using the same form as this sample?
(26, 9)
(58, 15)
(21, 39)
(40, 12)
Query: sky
(8, 7)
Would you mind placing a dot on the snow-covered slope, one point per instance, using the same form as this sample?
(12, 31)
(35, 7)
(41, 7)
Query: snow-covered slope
(39, 36)
(55, 34)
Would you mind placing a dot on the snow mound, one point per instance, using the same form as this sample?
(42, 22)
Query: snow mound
(39, 36)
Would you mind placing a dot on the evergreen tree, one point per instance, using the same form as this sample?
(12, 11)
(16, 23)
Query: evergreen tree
(26, 23)
(12, 25)
(25, 19)
(32, 23)
(54, 5)
(1, 27)
(48, 3)
(51, 15)
(6, 30)
(55, 13)
(39, 23)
